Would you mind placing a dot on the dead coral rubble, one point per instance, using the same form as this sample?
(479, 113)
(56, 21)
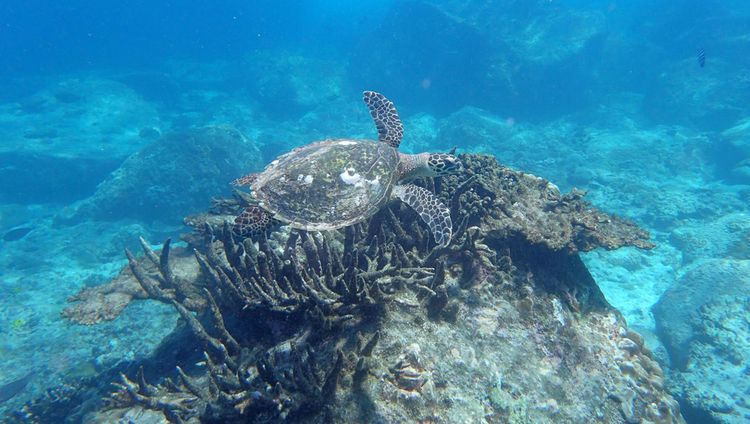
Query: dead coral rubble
(306, 326)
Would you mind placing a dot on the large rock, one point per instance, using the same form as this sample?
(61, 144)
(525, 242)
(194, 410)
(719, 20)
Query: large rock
(61, 141)
(171, 177)
(702, 320)
(714, 385)
(78, 117)
(286, 84)
(703, 282)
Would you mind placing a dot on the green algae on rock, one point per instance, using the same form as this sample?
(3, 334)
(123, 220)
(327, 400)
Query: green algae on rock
(375, 324)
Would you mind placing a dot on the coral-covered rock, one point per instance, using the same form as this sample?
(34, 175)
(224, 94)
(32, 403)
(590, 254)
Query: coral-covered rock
(715, 383)
(171, 176)
(375, 323)
(524, 205)
(703, 321)
(702, 283)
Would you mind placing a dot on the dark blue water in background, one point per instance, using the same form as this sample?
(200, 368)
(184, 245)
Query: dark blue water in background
(605, 95)
(41, 38)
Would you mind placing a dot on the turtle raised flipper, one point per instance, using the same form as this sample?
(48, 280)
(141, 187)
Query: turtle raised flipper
(383, 112)
(252, 221)
(432, 211)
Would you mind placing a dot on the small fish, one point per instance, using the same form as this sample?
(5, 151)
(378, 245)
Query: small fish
(16, 233)
(701, 57)
(8, 390)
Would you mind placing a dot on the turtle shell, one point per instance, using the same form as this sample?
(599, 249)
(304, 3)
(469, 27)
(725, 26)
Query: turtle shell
(328, 184)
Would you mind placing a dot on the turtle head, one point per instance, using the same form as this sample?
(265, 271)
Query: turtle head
(444, 164)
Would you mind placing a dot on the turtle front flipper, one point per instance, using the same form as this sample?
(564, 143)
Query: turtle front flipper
(432, 211)
(390, 128)
(253, 221)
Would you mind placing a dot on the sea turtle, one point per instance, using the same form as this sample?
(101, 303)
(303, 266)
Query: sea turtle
(336, 183)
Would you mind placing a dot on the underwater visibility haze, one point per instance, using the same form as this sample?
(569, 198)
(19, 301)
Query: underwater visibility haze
(520, 211)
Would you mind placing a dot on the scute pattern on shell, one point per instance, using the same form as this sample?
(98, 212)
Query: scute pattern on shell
(328, 184)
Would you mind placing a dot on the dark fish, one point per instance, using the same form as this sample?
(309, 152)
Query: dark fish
(701, 57)
(16, 233)
(8, 390)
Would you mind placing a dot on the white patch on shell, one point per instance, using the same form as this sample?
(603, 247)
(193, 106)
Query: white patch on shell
(351, 176)
(274, 162)
(305, 179)
(346, 143)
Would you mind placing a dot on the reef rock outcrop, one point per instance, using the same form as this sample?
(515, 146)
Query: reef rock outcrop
(703, 323)
(178, 172)
(374, 323)
(702, 320)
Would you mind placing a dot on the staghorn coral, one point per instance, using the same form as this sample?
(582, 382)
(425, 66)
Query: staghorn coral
(105, 302)
(308, 282)
(375, 323)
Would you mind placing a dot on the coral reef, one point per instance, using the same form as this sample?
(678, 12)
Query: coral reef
(376, 323)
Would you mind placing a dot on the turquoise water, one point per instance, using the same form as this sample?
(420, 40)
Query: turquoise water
(606, 96)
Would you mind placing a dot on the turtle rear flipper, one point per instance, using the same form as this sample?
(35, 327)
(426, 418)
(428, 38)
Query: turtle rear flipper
(432, 211)
(246, 180)
(390, 128)
(253, 221)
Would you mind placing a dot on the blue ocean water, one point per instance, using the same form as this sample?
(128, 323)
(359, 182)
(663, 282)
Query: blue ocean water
(642, 104)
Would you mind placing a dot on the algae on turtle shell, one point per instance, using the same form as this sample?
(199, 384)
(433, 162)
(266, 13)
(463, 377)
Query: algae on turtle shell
(375, 324)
